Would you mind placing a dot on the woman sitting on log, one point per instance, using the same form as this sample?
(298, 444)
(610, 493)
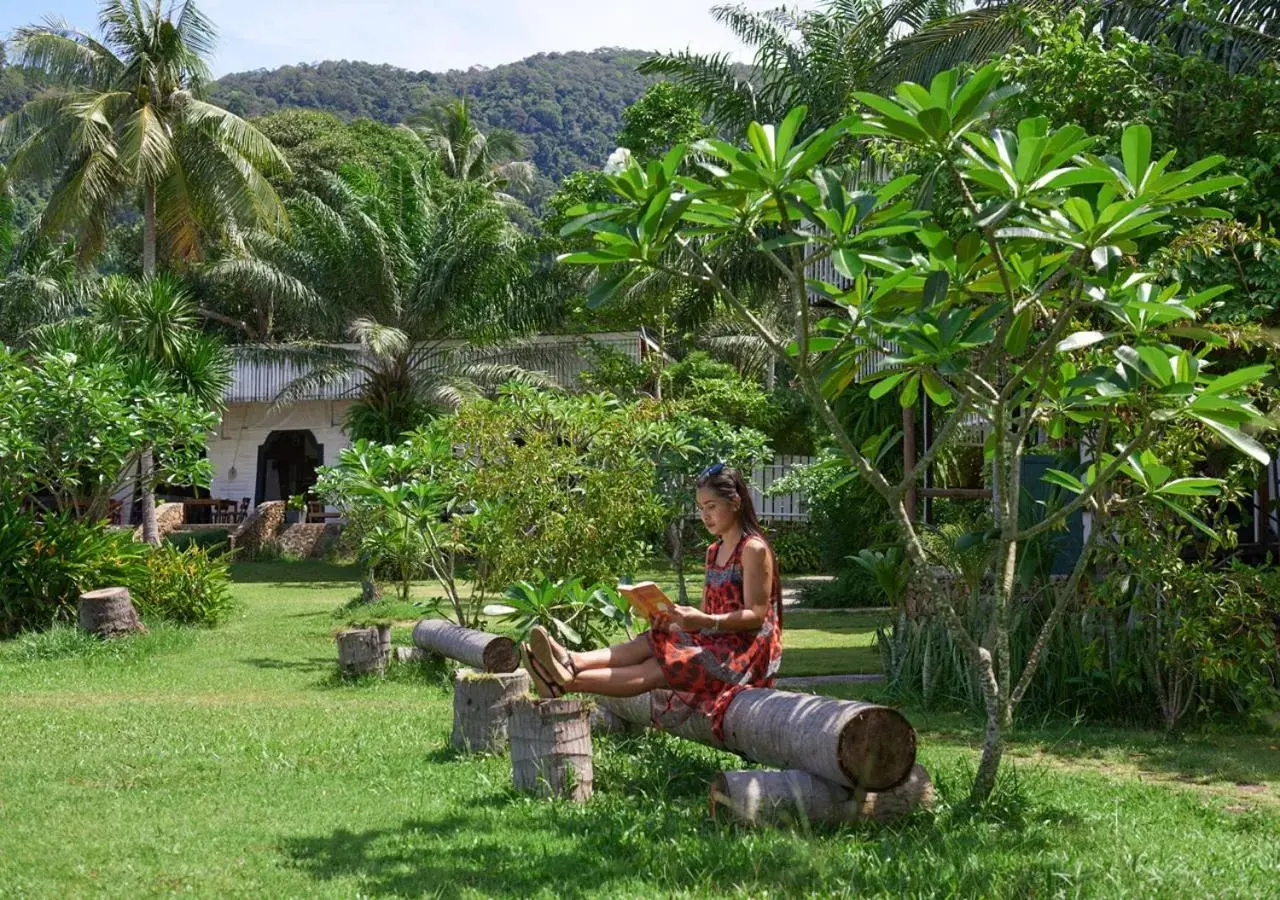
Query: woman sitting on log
(705, 656)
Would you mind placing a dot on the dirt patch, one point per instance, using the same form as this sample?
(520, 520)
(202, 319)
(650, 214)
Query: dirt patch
(1245, 795)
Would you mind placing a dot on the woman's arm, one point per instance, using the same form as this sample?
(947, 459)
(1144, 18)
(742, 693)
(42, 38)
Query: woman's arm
(756, 593)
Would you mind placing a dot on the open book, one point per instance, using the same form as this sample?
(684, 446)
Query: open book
(646, 598)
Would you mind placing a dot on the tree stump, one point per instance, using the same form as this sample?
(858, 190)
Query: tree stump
(478, 649)
(481, 707)
(759, 797)
(551, 748)
(361, 650)
(108, 612)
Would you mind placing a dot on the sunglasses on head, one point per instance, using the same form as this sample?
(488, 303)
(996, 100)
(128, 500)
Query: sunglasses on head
(711, 470)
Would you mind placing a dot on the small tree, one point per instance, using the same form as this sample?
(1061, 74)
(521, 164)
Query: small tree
(73, 426)
(1038, 315)
(398, 499)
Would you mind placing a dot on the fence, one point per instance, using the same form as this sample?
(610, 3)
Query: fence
(784, 507)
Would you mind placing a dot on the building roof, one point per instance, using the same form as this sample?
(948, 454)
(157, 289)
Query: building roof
(258, 377)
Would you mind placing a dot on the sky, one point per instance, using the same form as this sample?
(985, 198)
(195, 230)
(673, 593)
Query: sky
(435, 35)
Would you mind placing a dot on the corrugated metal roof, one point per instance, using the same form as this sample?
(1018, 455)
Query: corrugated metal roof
(256, 379)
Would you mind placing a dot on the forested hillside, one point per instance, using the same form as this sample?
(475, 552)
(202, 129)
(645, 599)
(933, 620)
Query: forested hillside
(568, 106)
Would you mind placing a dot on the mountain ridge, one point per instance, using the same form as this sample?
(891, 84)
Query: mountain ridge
(567, 106)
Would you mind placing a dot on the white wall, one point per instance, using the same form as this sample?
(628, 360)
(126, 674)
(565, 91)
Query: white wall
(245, 427)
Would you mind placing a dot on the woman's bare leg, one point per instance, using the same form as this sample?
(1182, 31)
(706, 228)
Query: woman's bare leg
(632, 653)
(619, 681)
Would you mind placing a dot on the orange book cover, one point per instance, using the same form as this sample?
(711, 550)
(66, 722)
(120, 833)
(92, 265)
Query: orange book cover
(646, 598)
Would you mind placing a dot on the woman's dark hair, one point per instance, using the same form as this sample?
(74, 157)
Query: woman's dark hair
(728, 484)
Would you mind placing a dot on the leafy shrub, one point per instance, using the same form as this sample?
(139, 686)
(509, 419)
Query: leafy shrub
(46, 563)
(853, 587)
(796, 547)
(212, 539)
(190, 586)
(845, 513)
(577, 615)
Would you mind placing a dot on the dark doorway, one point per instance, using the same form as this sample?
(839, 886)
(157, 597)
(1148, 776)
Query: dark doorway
(287, 463)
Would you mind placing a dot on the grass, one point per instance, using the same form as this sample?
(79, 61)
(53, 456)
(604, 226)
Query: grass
(232, 763)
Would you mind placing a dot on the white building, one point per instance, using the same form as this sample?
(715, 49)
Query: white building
(261, 453)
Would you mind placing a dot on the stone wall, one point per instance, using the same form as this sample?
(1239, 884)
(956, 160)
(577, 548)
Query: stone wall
(260, 527)
(169, 516)
(309, 541)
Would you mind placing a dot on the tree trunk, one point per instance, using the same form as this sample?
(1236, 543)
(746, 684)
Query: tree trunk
(489, 652)
(149, 231)
(675, 539)
(854, 744)
(481, 707)
(989, 765)
(150, 531)
(551, 748)
(361, 651)
(760, 797)
(108, 612)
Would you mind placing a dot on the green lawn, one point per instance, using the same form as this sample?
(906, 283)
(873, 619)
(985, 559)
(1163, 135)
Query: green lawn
(232, 763)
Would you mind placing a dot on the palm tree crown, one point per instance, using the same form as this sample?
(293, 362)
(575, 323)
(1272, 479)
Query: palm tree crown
(123, 118)
(467, 154)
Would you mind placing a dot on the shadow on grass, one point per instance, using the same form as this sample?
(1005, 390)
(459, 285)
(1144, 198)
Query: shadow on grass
(646, 831)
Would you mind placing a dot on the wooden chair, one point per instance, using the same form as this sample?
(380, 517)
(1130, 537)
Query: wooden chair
(244, 510)
(315, 511)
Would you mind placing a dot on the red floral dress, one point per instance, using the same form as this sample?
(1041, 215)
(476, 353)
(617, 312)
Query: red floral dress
(707, 669)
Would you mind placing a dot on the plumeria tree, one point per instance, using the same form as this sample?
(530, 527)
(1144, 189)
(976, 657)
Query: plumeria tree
(1038, 315)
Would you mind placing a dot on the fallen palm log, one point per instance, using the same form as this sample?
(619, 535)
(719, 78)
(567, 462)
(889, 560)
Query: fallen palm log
(850, 743)
(762, 797)
(478, 649)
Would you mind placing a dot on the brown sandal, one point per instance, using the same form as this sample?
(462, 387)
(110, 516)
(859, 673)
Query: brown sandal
(554, 659)
(545, 686)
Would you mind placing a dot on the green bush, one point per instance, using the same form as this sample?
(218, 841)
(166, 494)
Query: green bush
(213, 539)
(796, 545)
(853, 587)
(190, 586)
(46, 563)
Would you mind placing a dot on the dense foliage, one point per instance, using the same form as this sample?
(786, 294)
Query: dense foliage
(560, 486)
(1001, 321)
(566, 106)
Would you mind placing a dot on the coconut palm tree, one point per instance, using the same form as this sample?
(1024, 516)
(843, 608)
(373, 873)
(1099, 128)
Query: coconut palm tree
(816, 58)
(122, 122)
(424, 280)
(467, 154)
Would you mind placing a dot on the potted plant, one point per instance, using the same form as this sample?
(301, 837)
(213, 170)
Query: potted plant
(295, 508)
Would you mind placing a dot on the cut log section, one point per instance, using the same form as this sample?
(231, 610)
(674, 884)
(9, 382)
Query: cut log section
(478, 649)
(850, 743)
(361, 651)
(481, 707)
(108, 612)
(795, 797)
(551, 748)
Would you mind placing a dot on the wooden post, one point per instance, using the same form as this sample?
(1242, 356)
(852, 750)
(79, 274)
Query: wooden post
(490, 652)
(360, 651)
(481, 707)
(760, 797)
(551, 748)
(854, 744)
(108, 612)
